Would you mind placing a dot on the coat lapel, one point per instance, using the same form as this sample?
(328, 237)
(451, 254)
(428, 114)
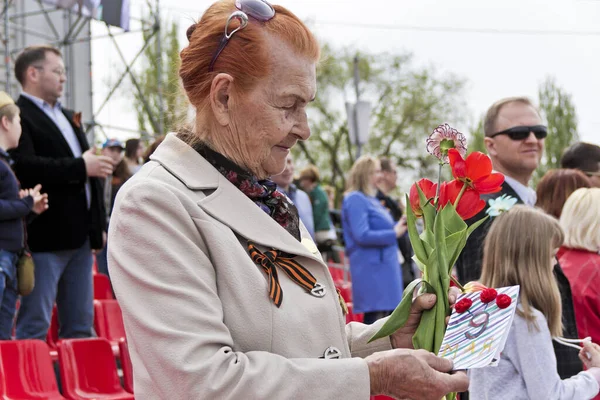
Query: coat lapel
(223, 200)
(38, 114)
(507, 189)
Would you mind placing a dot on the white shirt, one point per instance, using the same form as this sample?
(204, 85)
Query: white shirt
(526, 193)
(64, 126)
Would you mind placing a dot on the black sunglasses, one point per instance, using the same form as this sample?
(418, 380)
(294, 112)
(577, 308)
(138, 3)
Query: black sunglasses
(260, 10)
(522, 132)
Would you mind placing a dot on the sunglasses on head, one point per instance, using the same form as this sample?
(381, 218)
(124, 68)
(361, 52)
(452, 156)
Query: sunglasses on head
(260, 10)
(522, 132)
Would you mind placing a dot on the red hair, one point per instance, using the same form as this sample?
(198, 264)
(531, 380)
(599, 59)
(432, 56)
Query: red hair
(246, 56)
(556, 186)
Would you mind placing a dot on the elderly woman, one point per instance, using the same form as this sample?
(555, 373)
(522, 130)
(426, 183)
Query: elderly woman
(224, 294)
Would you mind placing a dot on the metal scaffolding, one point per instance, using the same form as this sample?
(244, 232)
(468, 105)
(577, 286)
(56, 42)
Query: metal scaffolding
(28, 22)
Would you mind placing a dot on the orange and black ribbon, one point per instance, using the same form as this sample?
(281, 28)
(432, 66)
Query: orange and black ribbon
(270, 260)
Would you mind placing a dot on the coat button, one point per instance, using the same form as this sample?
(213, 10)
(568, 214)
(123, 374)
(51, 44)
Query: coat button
(318, 290)
(332, 353)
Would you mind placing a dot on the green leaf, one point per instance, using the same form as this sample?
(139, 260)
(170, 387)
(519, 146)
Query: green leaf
(418, 262)
(413, 233)
(455, 244)
(441, 249)
(476, 225)
(429, 211)
(400, 314)
(440, 320)
(425, 334)
(452, 221)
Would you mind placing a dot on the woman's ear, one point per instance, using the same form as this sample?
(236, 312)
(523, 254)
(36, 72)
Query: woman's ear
(220, 91)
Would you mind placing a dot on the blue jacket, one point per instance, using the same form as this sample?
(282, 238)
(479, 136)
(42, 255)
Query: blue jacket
(372, 248)
(13, 209)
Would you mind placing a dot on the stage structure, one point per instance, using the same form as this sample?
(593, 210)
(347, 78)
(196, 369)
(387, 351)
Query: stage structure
(66, 24)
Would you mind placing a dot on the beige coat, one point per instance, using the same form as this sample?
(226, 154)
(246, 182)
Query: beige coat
(199, 321)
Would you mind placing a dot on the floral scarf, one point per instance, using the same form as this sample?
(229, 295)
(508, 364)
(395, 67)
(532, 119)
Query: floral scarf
(263, 193)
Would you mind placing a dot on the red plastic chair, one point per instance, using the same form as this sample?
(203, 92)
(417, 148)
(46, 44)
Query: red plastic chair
(337, 274)
(26, 371)
(102, 288)
(351, 316)
(88, 370)
(108, 320)
(126, 366)
(52, 335)
(94, 265)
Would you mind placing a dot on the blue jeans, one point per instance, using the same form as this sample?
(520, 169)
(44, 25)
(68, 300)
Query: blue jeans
(65, 277)
(8, 292)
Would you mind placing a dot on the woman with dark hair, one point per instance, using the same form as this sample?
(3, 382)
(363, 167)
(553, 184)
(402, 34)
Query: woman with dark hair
(223, 292)
(134, 150)
(552, 191)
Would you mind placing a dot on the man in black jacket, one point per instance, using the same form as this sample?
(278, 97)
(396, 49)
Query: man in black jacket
(514, 138)
(54, 152)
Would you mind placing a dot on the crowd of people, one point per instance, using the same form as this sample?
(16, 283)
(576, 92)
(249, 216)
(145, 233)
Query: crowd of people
(217, 249)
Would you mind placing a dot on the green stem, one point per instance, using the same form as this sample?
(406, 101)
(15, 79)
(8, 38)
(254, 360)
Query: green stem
(460, 194)
(439, 185)
(457, 283)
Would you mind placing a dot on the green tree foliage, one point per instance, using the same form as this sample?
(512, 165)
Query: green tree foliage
(408, 102)
(476, 136)
(556, 106)
(174, 99)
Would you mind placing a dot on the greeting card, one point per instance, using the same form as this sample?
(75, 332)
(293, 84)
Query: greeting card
(479, 326)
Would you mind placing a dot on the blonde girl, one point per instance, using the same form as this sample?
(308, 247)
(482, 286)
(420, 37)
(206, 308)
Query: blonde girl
(520, 249)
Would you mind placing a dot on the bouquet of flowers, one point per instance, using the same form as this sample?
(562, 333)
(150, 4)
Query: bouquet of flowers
(444, 207)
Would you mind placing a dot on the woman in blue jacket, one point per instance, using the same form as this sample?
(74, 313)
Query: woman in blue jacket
(371, 237)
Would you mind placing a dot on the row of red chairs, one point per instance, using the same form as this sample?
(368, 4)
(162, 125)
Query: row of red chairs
(108, 324)
(87, 370)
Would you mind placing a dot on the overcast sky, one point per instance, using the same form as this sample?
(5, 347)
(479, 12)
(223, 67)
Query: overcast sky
(503, 48)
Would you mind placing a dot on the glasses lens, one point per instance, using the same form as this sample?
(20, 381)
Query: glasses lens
(257, 9)
(518, 133)
(523, 132)
(539, 131)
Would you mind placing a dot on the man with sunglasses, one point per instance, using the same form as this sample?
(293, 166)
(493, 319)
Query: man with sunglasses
(584, 157)
(514, 139)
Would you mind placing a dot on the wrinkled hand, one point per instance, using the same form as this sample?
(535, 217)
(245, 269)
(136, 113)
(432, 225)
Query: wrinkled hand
(413, 374)
(593, 350)
(402, 338)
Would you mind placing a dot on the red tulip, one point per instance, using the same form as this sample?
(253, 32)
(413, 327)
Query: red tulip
(475, 171)
(503, 301)
(463, 305)
(488, 295)
(468, 206)
(428, 188)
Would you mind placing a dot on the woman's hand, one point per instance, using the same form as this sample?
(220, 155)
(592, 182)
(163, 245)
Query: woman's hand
(593, 350)
(402, 338)
(413, 374)
(400, 226)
